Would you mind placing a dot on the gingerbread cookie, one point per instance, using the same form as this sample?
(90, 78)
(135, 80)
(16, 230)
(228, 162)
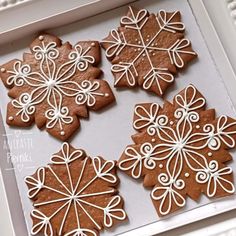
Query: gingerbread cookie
(74, 195)
(180, 150)
(54, 85)
(147, 49)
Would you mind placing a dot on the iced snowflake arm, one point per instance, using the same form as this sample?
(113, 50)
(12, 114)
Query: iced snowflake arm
(181, 52)
(139, 159)
(226, 131)
(170, 21)
(93, 52)
(168, 194)
(190, 99)
(36, 183)
(67, 155)
(17, 73)
(113, 44)
(4, 74)
(145, 115)
(216, 179)
(94, 94)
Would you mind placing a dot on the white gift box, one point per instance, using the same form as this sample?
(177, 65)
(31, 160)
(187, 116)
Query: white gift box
(23, 150)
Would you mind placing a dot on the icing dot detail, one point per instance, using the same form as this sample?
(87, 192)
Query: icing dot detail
(92, 44)
(41, 38)
(160, 166)
(198, 126)
(62, 133)
(153, 140)
(209, 154)
(171, 122)
(3, 70)
(186, 175)
(106, 94)
(10, 118)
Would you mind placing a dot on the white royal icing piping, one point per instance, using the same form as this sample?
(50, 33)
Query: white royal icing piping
(52, 83)
(128, 70)
(179, 145)
(74, 195)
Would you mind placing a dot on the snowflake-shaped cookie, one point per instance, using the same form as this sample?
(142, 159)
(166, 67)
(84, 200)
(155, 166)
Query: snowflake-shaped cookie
(147, 50)
(54, 85)
(75, 195)
(181, 150)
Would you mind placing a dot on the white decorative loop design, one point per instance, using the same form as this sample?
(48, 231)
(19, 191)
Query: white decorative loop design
(168, 193)
(52, 82)
(125, 70)
(135, 160)
(44, 224)
(145, 117)
(103, 171)
(225, 131)
(134, 20)
(159, 123)
(145, 157)
(145, 48)
(178, 145)
(21, 72)
(25, 106)
(45, 52)
(176, 50)
(189, 101)
(214, 177)
(55, 115)
(154, 76)
(66, 156)
(75, 191)
(167, 23)
(36, 183)
(116, 44)
(87, 93)
(111, 211)
(81, 59)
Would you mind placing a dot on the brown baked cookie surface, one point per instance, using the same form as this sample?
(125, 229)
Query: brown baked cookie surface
(74, 195)
(54, 85)
(147, 50)
(180, 150)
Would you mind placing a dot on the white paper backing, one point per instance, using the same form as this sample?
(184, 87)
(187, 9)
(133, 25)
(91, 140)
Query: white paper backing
(107, 133)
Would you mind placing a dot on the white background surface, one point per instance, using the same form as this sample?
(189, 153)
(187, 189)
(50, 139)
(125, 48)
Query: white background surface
(112, 127)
